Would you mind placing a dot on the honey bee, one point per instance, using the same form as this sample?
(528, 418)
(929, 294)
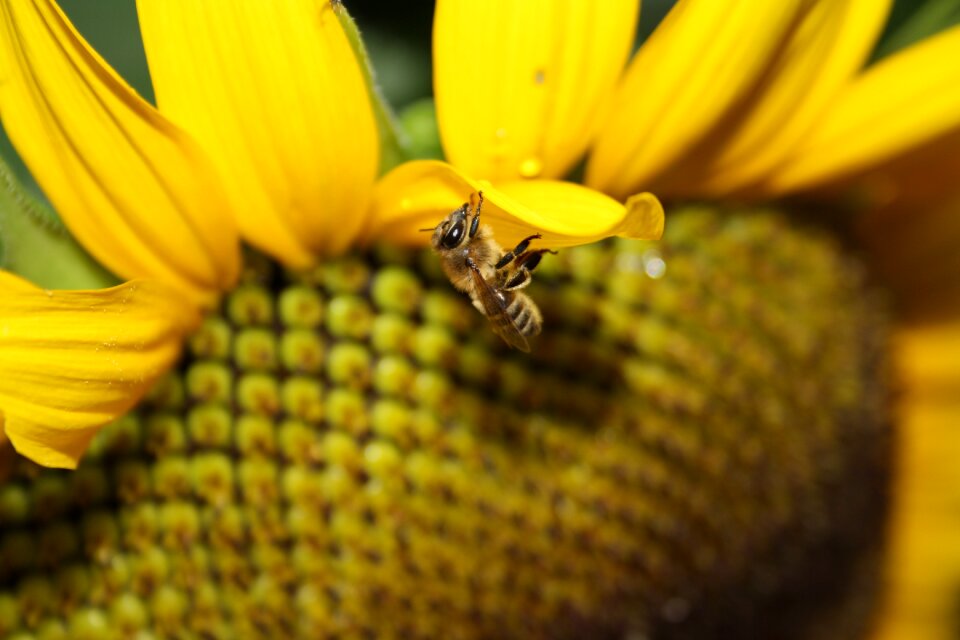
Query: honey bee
(476, 265)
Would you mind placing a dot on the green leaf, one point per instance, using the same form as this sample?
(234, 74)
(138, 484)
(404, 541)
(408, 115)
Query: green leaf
(35, 245)
(394, 145)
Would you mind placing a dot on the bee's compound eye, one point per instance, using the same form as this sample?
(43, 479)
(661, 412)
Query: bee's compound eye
(451, 239)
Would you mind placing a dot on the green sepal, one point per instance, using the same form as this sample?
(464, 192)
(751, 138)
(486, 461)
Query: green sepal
(35, 244)
(394, 144)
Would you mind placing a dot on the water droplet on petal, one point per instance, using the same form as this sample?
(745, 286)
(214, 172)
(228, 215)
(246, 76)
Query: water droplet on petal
(539, 76)
(531, 168)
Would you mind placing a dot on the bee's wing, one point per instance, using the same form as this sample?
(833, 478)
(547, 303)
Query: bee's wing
(496, 309)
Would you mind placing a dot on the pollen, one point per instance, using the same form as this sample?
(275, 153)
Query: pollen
(693, 446)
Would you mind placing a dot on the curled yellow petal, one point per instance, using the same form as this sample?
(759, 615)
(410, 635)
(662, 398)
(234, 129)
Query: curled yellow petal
(828, 47)
(274, 93)
(904, 102)
(419, 194)
(570, 214)
(521, 86)
(72, 361)
(134, 189)
(702, 60)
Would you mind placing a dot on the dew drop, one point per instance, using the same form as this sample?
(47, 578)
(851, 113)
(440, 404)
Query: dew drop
(531, 168)
(539, 76)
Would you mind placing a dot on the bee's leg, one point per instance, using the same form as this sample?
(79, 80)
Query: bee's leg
(516, 252)
(531, 259)
(526, 263)
(475, 223)
(518, 280)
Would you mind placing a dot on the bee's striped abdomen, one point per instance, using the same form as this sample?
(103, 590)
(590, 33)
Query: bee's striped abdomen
(524, 314)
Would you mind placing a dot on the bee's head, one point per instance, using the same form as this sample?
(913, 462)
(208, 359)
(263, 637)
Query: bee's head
(452, 231)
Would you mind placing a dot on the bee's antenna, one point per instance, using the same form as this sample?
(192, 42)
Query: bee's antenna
(430, 229)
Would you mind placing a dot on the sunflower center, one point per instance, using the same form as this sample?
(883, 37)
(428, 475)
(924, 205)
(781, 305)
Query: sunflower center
(697, 438)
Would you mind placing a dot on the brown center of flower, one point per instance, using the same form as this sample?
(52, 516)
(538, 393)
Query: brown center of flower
(696, 442)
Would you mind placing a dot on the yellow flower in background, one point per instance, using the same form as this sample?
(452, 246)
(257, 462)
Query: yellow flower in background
(233, 151)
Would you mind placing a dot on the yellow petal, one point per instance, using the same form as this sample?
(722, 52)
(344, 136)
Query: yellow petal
(825, 51)
(417, 195)
(72, 361)
(923, 562)
(928, 359)
(702, 60)
(521, 86)
(895, 107)
(274, 93)
(134, 189)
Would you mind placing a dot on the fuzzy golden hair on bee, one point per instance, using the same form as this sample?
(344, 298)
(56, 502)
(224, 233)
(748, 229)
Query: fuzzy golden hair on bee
(477, 265)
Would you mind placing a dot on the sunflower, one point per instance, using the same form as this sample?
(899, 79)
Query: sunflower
(726, 104)
(165, 194)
